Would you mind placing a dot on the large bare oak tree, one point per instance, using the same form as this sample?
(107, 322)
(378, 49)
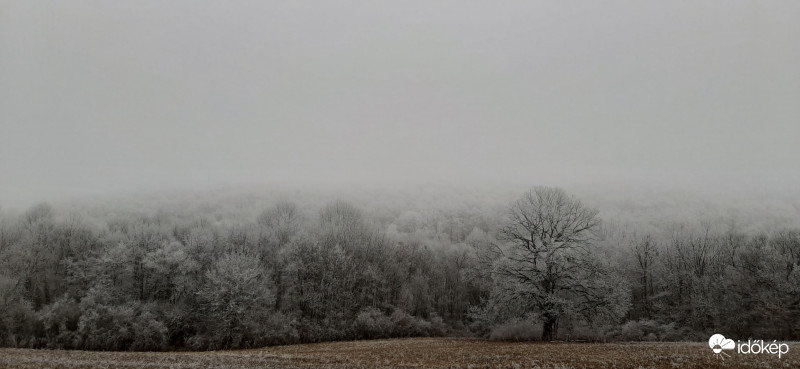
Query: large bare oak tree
(547, 259)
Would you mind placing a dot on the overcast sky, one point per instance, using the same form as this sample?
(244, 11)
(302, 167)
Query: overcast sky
(113, 96)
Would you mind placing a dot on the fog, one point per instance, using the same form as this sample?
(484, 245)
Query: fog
(102, 97)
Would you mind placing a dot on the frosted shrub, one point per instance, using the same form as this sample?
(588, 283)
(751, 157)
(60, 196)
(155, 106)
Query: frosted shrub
(406, 325)
(517, 330)
(150, 333)
(17, 324)
(104, 327)
(60, 323)
(437, 325)
(373, 323)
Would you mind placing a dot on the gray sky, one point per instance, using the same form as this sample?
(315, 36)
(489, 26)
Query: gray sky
(110, 96)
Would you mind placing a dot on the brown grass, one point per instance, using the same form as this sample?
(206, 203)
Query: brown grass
(413, 353)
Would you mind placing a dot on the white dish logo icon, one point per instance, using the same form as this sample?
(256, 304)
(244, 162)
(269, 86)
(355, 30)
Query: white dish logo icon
(718, 343)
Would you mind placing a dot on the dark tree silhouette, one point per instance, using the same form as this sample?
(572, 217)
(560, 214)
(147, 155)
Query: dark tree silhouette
(550, 233)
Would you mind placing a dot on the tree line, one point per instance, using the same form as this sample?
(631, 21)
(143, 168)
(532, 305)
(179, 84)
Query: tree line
(546, 267)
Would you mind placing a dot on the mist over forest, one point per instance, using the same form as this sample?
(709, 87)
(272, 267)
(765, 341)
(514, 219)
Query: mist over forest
(217, 175)
(247, 267)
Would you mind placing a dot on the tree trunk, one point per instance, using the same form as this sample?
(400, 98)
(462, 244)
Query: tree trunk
(549, 328)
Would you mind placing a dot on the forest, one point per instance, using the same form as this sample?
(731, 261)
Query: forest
(240, 269)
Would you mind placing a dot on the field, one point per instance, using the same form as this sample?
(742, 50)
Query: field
(413, 353)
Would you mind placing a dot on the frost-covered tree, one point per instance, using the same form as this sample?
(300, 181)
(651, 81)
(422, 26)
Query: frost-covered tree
(236, 299)
(548, 262)
(281, 222)
(215, 274)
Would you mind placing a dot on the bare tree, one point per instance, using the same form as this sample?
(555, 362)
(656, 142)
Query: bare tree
(645, 250)
(278, 225)
(787, 246)
(549, 233)
(341, 214)
(282, 221)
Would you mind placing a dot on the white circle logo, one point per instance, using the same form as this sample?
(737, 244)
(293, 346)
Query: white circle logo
(718, 342)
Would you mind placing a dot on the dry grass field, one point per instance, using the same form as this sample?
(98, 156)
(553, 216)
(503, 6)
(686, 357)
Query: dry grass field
(412, 353)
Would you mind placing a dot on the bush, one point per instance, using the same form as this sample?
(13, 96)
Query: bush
(438, 326)
(673, 334)
(276, 329)
(481, 321)
(149, 333)
(516, 330)
(582, 331)
(406, 325)
(104, 327)
(130, 326)
(18, 324)
(372, 323)
(651, 330)
(314, 331)
(60, 323)
(632, 331)
(198, 342)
